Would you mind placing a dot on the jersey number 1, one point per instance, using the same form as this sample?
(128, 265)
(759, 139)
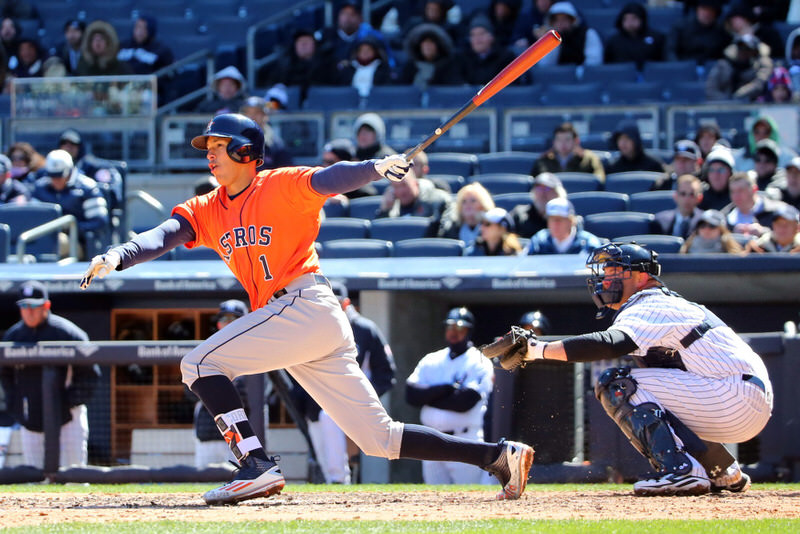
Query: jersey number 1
(263, 260)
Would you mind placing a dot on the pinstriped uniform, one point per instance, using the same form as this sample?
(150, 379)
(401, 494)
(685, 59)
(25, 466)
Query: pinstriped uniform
(710, 396)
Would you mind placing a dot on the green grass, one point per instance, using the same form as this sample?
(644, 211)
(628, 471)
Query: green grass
(503, 526)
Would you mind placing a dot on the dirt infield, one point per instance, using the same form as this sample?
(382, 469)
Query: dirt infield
(21, 509)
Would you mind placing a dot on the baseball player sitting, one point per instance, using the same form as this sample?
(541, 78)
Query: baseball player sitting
(263, 225)
(698, 383)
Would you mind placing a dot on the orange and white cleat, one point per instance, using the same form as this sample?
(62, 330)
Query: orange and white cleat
(256, 478)
(511, 469)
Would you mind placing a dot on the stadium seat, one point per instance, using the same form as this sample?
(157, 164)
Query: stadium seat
(670, 72)
(398, 228)
(448, 96)
(196, 253)
(321, 97)
(343, 228)
(498, 183)
(652, 201)
(453, 181)
(686, 92)
(5, 242)
(356, 248)
(548, 74)
(508, 201)
(579, 181)
(518, 96)
(614, 223)
(20, 218)
(189, 44)
(428, 247)
(627, 93)
(517, 162)
(589, 202)
(631, 182)
(335, 209)
(452, 163)
(394, 97)
(584, 94)
(602, 19)
(663, 244)
(364, 207)
(610, 73)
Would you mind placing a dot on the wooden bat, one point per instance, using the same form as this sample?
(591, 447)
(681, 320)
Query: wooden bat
(534, 53)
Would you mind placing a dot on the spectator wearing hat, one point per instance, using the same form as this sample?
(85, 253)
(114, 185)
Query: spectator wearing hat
(69, 50)
(535, 321)
(766, 164)
(228, 93)
(369, 131)
(562, 235)
(580, 45)
(26, 161)
(681, 220)
(742, 20)
(701, 36)
(108, 177)
(367, 67)
(628, 141)
(23, 383)
(277, 98)
(305, 64)
(496, 237)
(472, 202)
(748, 212)
(783, 235)
(275, 153)
(338, 41)
(634, 41)
(209, 446)
(11, 191)
(144, 52)
(686, 159)
(432, 58)
(376, 360)
(706, 136)
(743, 71)
(789, 190)
(530, 218)
(567, 155)
(780, 89)
(711, 236)
(99, 50)
(719, 167)
(77, 194)
(483, 59)
(763, 127)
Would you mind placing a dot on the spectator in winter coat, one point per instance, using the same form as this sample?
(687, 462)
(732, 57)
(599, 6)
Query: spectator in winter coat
(229, 93)
(416, 197)
(567, 155)
(11, 191)
(701, 37)
(350, 29)
(779, 88)
(370, 134)
(304, 65)
(368, 67)
(580, 45)
(530, 218)
(635, 40)
(749, 212)
(789, 190)
(719, 167)
(472, 202)
(741, 20)
(503, 15)
(743, 73)
(562, 235)
(28, 61)
(143, 51)
(435, 12)
(496, 238)
(764, 127)
(532, 24)
(431, 58)
(69, 51)
(99, 52)
(783, 235)
(632, 156)
(9, 35)
(484, 59)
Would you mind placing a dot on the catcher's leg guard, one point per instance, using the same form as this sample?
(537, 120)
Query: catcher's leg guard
(644, 425)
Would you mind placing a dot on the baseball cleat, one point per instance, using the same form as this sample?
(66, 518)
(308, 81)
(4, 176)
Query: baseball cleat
(691, 480)
(256, 478)
(734, 480)
(511, 469)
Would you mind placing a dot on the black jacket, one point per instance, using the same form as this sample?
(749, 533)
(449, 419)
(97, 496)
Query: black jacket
(647, 45)
(477, 70)
(23, 383)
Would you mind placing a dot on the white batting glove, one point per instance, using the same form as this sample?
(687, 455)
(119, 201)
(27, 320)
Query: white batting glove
(535, 349)
(100, 266)
(394, 167)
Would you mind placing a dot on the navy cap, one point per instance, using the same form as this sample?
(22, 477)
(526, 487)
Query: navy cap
(232, 307)
(32, 293)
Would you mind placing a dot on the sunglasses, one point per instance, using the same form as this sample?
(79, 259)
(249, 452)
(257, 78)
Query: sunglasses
(29, 305)
(685, 193)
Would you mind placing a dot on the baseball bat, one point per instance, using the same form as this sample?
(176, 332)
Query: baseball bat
(532, 55)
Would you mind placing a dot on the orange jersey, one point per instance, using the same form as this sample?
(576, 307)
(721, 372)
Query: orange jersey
(265, 234)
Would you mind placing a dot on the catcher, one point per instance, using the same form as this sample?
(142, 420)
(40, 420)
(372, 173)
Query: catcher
(698, 383)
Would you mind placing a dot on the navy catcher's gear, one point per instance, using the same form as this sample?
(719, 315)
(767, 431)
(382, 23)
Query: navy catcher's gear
(460, 317)
(247, 138)
(629, 256)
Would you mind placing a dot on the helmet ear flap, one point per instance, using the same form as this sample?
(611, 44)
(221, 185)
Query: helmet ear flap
(241, 153)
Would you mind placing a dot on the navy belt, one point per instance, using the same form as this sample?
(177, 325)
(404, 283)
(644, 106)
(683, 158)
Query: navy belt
(755, 381)
(318, 279)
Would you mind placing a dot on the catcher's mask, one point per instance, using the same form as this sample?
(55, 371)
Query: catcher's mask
(629, 257)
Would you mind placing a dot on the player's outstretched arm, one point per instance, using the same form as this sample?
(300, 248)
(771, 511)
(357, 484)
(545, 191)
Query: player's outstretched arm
(346, 176)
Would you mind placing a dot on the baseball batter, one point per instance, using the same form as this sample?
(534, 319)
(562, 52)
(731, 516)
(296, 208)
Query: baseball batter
(698, 383)
(263, 225)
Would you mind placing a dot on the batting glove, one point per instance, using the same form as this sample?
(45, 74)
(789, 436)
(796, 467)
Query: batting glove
(394, 167)
(100, 266)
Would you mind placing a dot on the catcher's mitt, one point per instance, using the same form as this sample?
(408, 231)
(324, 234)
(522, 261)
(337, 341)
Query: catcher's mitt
(510, 349)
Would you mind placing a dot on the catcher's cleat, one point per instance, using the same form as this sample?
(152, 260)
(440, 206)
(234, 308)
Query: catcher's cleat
(511, 469)
(734, 480)
(692, 480)
(256, 478)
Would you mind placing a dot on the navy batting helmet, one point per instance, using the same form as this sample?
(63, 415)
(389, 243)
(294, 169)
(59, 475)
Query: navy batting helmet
(247, 138)
(460, 317)
(536, 320)
(630, 256)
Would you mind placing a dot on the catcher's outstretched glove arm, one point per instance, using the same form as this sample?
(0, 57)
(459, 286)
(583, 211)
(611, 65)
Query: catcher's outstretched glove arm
(511, 350)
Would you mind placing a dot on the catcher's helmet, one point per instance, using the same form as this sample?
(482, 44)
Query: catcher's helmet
(629, 256)
(536, 320)
(460, 317)
(247, 138)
